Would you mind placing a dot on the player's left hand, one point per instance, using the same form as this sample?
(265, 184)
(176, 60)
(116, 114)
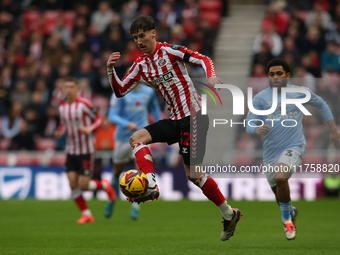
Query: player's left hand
(334, 136)
(85, 130)
(214, 80)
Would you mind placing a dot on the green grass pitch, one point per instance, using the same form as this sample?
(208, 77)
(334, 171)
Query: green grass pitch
(185, 227)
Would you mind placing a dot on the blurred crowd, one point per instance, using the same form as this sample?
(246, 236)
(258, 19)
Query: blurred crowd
(43, 41)
(305, 33)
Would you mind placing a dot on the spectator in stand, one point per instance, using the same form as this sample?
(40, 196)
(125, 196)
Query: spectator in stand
(333, 33)
(264, 56)
(58, 94)
(85, 89)
(6, 77)
(259, 78)
(52, 121)
(167, 14)
(116, 25)
(63, 31)
(289, 46)
(3, 100)
(20, 93)
(53, 50)
(114, 41)
(24, 140)
(277, 16)
(303, 78)
(313, 41)
(270, 38)
(318, 16)
(311, 63)
(330, 58)
(10, 125)
(127, 14)
(103, 85)
(36, 45)
(85, 71)
(102, 17)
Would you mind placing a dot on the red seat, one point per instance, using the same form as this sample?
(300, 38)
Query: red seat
(212, 5)
(213, 18)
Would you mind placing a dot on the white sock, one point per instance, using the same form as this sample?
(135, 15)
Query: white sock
(92, 185)
(151, 179)
(86, 212)
(76, 192)
(226, 210)
(287, 221)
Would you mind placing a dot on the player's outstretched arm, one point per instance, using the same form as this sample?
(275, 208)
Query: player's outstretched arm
(124, 86)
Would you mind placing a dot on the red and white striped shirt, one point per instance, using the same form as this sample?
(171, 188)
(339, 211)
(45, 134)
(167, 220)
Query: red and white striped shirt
(165, 71)
(79, 113)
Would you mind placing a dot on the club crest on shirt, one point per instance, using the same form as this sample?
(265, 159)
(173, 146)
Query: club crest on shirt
(161, 62)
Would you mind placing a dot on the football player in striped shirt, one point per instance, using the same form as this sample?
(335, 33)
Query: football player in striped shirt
(78, 119)
(162, 67)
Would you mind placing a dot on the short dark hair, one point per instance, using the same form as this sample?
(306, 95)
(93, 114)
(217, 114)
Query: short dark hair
(144, 23)
(278, 62)
(71, 79)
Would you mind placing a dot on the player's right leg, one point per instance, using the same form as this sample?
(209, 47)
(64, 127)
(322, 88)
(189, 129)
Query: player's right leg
(144, 160)
(86, 215)
(278, 180)
(209, 187)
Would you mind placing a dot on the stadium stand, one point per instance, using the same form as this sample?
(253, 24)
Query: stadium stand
(305, 34)
(43, 41)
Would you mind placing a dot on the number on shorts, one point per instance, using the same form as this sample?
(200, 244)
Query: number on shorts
(289, 153)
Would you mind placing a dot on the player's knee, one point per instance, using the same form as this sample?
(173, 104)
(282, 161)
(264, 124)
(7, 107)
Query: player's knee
(280, 181)
(83, 185)
(73, 185)
(191, 178)
(133, 139)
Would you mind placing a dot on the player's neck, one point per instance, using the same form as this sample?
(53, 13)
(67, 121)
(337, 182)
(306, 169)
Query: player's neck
(153, 49)
(71, 99)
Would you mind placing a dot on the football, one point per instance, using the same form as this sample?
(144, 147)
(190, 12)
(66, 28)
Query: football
(134, 183)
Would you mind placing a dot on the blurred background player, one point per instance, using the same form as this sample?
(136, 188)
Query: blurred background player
(78, 119)
(129, 114)
(162, 67)
(283, 146)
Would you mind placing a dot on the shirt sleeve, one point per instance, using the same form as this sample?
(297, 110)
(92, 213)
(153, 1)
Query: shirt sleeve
(322, 106)
(130, 80)
(92, 112)
(194, 57)
(116, 105)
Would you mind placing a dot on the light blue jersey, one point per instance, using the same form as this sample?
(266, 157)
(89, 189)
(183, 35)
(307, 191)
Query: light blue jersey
(133, 107)
(281, 138)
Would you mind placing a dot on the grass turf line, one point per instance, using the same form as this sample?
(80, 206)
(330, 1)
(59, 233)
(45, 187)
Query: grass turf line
(184, 227)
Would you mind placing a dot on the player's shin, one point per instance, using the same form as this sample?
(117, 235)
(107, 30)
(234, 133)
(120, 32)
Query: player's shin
(144, 161)
(210, 189)
(115, 182)
(81, 203)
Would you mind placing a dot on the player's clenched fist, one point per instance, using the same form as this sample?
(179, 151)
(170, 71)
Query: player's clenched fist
(113, 59)
(263, 130)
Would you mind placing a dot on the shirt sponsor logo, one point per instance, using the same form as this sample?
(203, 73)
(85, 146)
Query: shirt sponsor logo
(165, 77)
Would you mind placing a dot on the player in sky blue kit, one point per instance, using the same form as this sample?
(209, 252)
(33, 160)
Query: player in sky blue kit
(129, 114)
(284, 144)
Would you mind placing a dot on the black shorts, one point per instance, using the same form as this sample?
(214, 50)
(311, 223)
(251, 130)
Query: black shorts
(189, 132)
(82, 164)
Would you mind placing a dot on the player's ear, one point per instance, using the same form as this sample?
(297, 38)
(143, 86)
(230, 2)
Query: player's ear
(288, 75)
(153, 32)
